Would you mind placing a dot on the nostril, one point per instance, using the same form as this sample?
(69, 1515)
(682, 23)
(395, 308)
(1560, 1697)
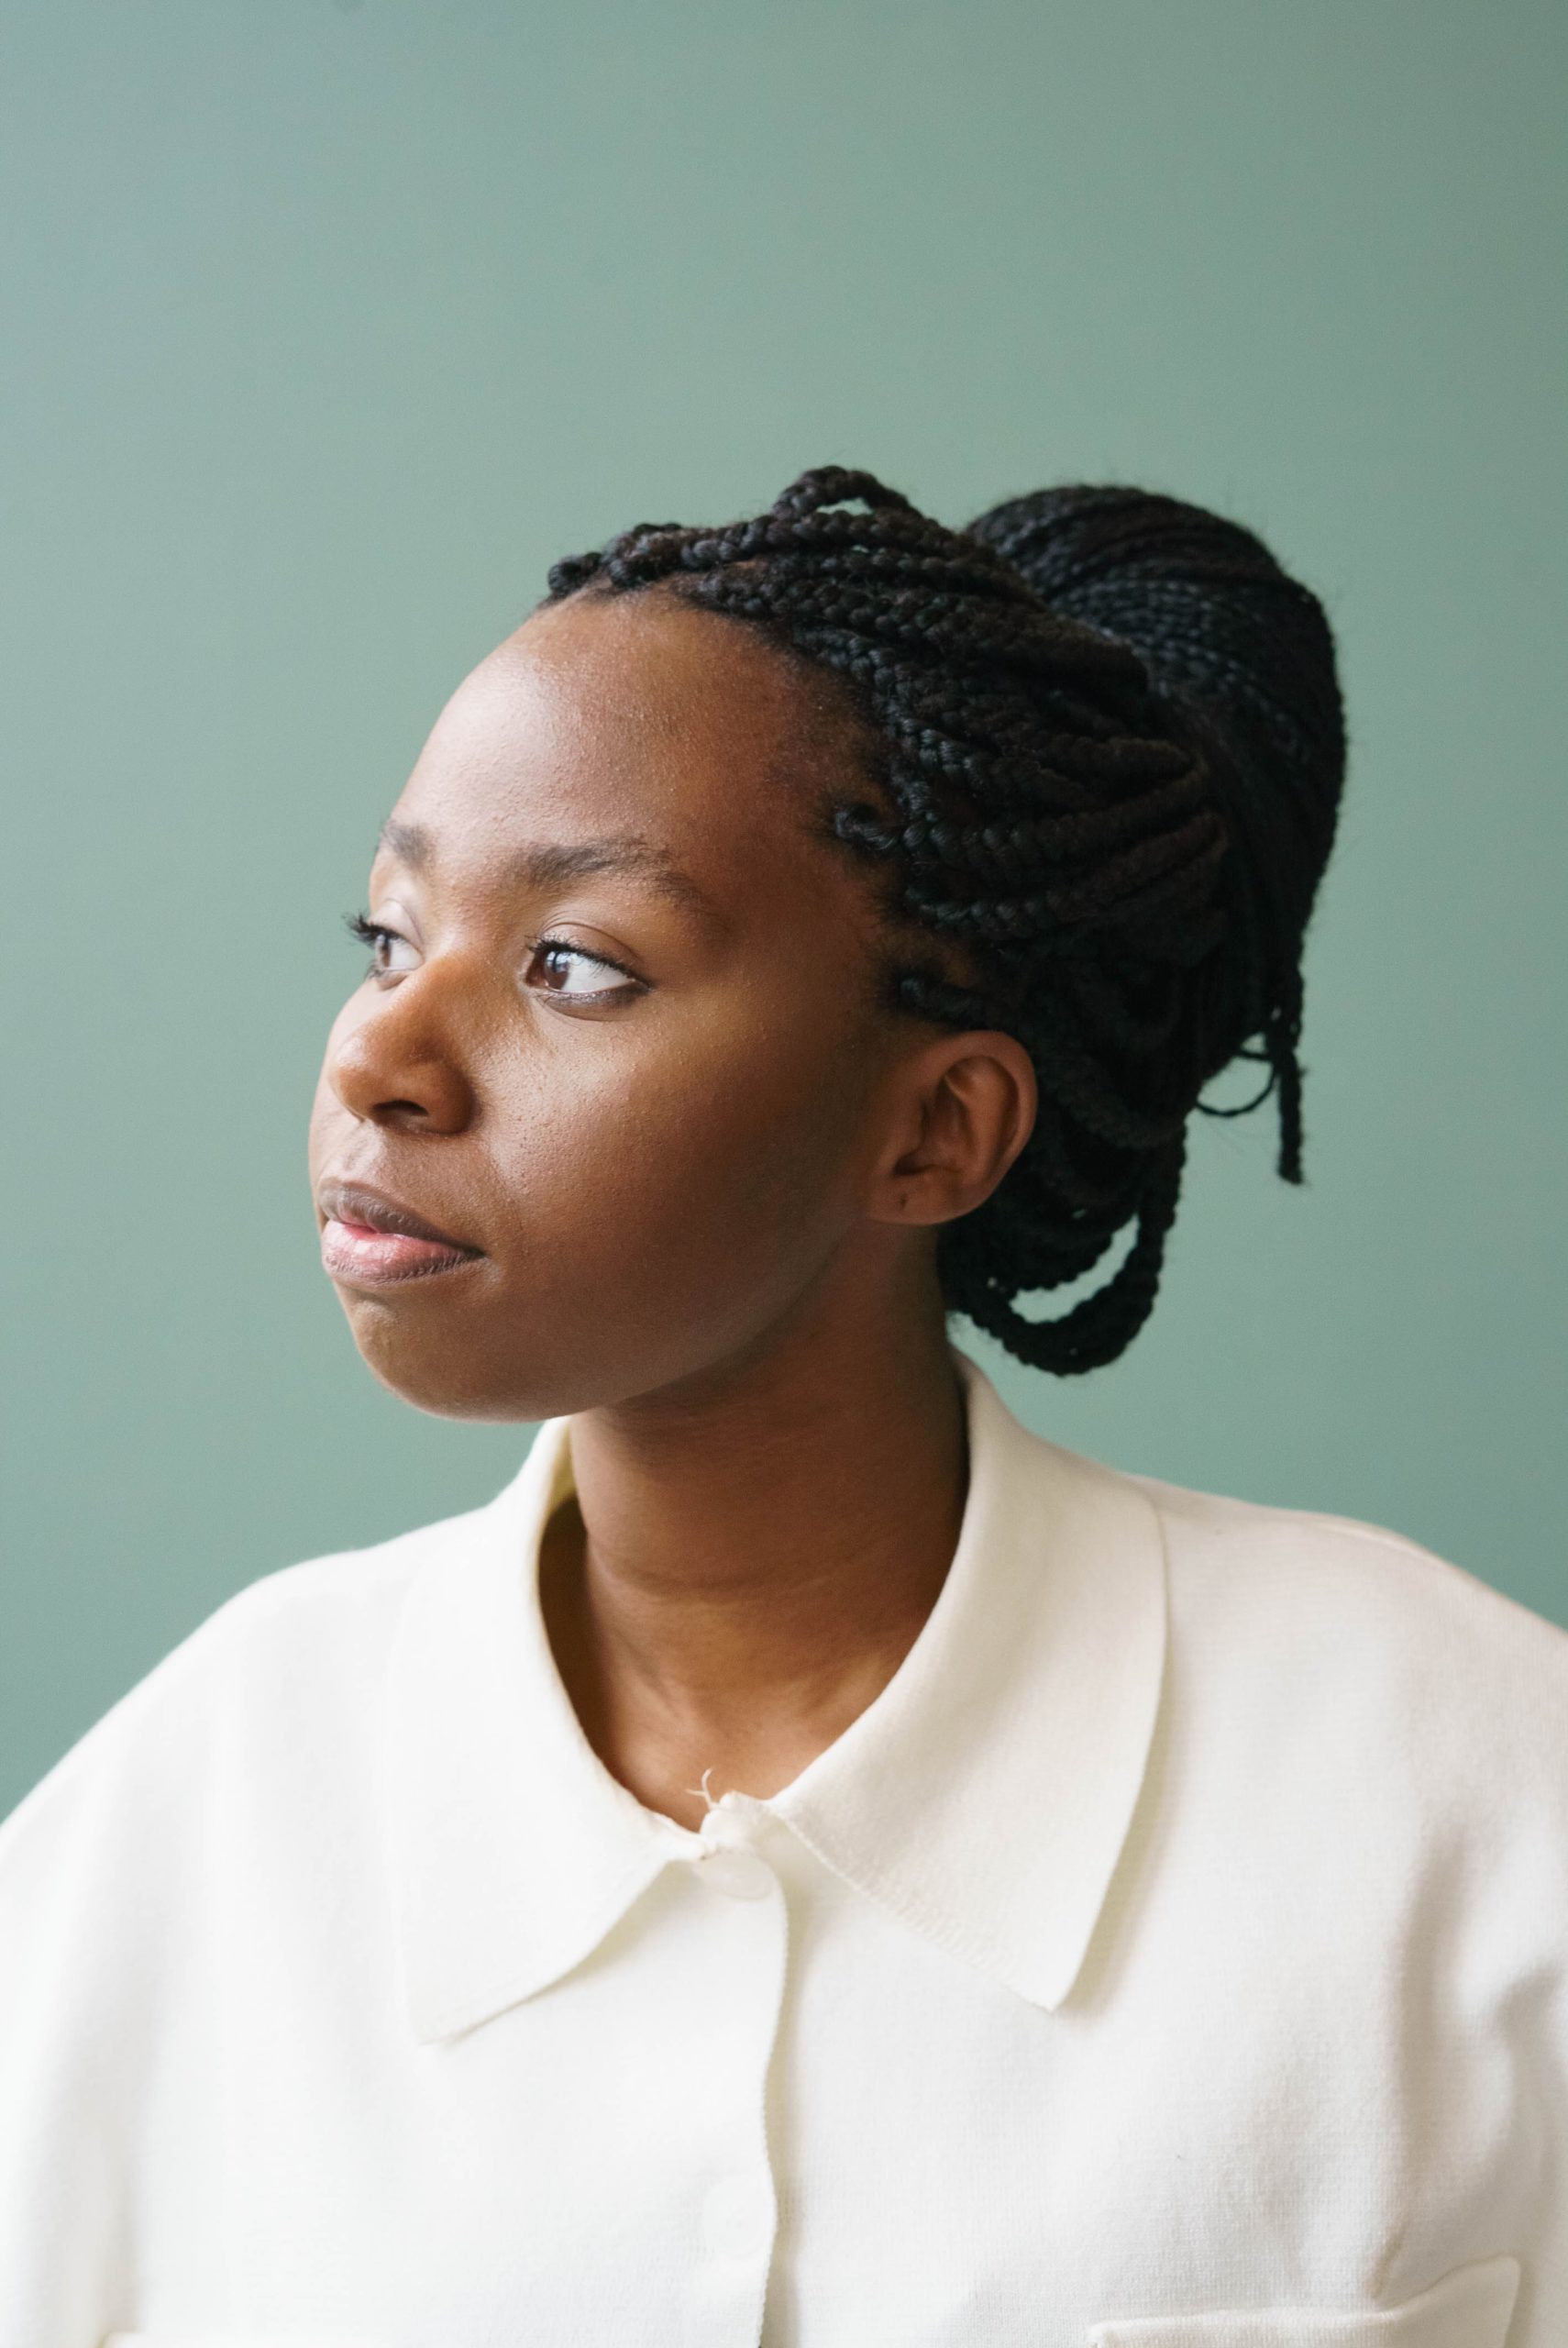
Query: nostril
(441, 1099)
(403, 1117)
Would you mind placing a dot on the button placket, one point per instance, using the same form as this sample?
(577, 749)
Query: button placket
(737, 2215)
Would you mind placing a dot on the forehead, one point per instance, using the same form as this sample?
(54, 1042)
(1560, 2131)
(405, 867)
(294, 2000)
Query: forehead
(635, 714)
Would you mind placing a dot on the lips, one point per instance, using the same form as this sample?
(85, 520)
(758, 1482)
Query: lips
(368, 1240)
(355, 1205)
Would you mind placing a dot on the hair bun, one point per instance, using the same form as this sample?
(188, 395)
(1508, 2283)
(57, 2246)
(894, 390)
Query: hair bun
(1105, 736)
(1243, 658)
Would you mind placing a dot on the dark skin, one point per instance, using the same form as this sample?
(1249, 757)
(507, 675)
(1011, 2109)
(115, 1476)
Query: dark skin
(706, 1184)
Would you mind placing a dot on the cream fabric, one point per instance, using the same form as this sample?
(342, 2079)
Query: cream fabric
(1172, 1957)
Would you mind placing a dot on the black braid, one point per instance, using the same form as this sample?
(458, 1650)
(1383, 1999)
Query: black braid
(1111, 746)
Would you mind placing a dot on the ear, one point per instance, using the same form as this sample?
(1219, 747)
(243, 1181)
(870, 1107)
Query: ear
(964, 1106)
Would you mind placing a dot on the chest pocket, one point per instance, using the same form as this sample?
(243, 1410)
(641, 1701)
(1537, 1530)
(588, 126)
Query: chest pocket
(1470, 2308)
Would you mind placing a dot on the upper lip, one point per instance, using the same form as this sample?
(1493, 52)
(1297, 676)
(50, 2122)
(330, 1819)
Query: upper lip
(357, 1203)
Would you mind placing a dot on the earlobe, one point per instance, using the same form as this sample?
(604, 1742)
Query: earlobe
(970, 1101)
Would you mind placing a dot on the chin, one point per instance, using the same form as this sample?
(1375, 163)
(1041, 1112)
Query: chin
(448, 1381)
(519, 1364)
(433, 1374)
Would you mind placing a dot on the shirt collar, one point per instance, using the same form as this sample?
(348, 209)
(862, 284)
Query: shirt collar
(983, 1797)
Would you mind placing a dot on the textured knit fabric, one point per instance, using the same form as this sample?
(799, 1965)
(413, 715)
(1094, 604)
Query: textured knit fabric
(1174, 1956)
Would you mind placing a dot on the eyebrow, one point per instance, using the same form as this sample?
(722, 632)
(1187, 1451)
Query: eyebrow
(550, 862)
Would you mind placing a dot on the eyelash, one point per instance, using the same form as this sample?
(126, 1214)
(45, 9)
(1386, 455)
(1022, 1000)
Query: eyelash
(368, 932)
(371, 933)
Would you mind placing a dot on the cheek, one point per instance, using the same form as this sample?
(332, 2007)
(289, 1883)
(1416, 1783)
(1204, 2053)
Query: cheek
(646, 1204)
(727, 1160)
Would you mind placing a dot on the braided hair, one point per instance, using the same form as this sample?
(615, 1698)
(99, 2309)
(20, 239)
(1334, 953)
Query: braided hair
(1105, 747)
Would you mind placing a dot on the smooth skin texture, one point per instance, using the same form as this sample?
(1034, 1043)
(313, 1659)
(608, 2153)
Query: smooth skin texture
(705, 1169)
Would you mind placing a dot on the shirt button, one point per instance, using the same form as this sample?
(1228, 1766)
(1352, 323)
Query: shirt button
(741, 1875)
(737, 2219)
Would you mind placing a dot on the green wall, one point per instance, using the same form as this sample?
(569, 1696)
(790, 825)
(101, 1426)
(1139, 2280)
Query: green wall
(328, 327)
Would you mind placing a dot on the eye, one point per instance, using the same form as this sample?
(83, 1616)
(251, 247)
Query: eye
(572, 974)
(383, 944)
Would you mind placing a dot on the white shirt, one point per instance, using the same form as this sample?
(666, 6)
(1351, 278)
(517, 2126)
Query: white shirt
(1171, 1956)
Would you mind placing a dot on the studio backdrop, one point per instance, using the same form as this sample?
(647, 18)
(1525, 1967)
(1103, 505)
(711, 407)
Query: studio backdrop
(326, 328)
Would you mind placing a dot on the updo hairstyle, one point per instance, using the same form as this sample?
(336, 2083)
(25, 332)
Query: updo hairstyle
(1105, 749)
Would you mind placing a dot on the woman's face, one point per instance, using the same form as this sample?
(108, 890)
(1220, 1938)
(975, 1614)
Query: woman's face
(624, 1041)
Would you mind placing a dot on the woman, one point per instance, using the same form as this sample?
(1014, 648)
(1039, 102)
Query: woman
(813, 1861)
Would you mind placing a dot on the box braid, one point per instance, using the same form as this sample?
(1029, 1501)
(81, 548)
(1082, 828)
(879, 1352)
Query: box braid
(1109, 747)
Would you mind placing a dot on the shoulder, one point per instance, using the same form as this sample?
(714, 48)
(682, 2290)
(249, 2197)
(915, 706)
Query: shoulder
(1396, 1656)
(1299, 1566)
(232, 1797)
(279, 1673)
(214, 1839)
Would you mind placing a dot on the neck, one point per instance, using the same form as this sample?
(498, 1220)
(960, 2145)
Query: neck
(750, 1557)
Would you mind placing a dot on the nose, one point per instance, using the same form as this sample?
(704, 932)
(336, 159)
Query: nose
(391, 1065)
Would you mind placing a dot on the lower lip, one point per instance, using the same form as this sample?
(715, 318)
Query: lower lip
(369, 1258)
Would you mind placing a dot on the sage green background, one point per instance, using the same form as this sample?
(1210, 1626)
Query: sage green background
(326, 328)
